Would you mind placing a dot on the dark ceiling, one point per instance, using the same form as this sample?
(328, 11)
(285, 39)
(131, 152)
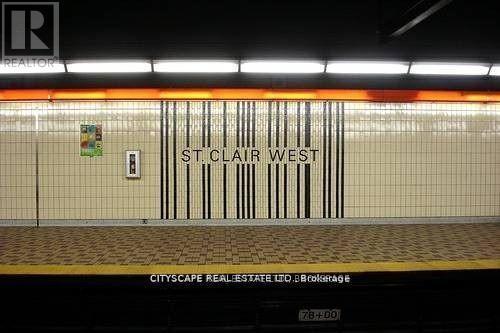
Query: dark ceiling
(463, 30)
(254, 28)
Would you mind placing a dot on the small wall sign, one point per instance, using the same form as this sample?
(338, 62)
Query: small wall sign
(133, 163)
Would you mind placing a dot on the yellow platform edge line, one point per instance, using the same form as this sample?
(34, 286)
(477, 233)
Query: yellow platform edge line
(247, 268)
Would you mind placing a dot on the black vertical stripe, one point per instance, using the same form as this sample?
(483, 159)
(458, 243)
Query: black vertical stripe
(209, 125)
(253, 124)
(253, 191)
(161, 162)
(285, 130)
(174, 157)
(209, 173)
(238, 144)
(242, 124)
(237, 191)
(329, 159)
(203, 124)
(298, 165)
(188, 182)
(248, 123)
(307, 128)
(188, 193)
(167, 173)
(242, 191)
(285, 191)
(337, 153)
(224, 126)
(307, 191)
(188, 124)
(269, 107)
(277, 191)
(324, 159)
(269, 190)
(343, 162)
(224, 195)
(248, 191)
(253, 165)
(238, 124)
(209, 192)
(298, 124)
(277, 124)
(204, 216)
(298, 190)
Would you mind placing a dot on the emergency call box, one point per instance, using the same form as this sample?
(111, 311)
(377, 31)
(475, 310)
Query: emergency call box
(133, 163)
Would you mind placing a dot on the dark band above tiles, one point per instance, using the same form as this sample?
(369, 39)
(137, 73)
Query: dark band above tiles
(245, 80)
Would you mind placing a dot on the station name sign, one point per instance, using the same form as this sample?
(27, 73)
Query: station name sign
(243, 155)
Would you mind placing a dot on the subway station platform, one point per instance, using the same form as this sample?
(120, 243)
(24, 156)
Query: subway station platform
(248, 249)
(403, 278)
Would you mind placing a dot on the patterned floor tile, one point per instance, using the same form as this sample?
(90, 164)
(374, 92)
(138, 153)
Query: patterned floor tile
(247, 245)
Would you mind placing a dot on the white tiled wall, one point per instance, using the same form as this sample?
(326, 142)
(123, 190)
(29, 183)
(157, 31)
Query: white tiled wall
(72, 186)
(422, 159)
(401, 159)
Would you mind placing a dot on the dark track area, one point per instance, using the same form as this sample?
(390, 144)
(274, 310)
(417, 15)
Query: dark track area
(439, 301)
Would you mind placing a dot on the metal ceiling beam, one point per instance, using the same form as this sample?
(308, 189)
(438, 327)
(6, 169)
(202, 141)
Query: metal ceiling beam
(413, 16)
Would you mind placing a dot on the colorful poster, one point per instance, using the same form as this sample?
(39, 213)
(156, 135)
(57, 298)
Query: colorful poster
(91, 140)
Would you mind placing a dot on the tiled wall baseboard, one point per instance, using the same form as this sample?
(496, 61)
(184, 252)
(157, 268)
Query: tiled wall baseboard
(253, 222)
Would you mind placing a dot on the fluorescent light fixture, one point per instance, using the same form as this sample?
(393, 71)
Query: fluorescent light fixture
(195, 66)
(495, 70)
(366, 67)
(109, 66)
(29, 67)
(277, 66)
(442, 68)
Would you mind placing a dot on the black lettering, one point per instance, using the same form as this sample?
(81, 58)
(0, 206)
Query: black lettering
(249, 155)
(277, 155)
(303, 155)
(236, 156)
(216, 159)
(255, 155)
(197, 153)
(314, 151)
(185, 155)
(224, 156)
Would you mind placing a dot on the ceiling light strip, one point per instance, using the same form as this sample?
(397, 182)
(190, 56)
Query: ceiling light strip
(282, 67)
(108, 66)
(366, 67)
(443, 68)
(195, 66)
(254, 66)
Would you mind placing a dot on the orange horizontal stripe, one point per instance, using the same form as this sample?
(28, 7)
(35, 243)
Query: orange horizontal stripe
(249, 94)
